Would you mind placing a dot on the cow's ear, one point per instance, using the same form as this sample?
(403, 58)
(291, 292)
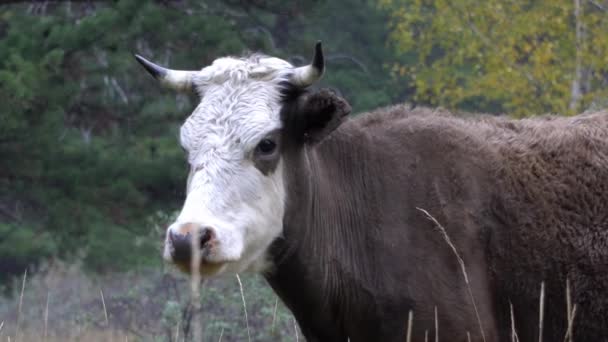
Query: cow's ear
(318, 114)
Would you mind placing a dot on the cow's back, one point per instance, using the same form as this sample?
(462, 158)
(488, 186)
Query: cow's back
(536, 188)
(429, 162)
(522, 202)
(552, 202)
(381, 256)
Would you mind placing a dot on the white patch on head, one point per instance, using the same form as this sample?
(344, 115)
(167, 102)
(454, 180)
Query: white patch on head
(240, 105)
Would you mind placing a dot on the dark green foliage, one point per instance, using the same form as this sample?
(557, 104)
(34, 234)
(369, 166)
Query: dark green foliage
(88, 141)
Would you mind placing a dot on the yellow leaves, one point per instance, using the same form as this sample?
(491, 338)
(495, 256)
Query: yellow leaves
(516, 56)
(399, 71)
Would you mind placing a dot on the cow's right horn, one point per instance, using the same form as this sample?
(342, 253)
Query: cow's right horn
(176, 79)
(309, 74)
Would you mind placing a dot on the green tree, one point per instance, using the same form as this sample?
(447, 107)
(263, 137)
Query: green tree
(88, 147)
(84, 159)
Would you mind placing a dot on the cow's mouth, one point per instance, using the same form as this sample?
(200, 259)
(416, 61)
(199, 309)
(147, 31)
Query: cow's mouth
(205, 267)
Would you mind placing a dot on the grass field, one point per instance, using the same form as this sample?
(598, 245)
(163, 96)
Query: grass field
(62, 303)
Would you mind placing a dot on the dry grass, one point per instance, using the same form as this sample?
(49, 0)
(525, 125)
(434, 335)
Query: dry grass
(447, 239)
(295, 329)
(107, 329)
(569, 331)
(541, 312)
(570, 312)
(244, 307)
(19, 311)
(105, 310)
(46, 316)
(221, 335)
(436, 324)
(61, 303)
(274, 315)
(410, 319)
(94, 335)
(514, 337)
(195, 281)
(571, 309)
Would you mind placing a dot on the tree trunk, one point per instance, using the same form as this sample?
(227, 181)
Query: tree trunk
(576, 91)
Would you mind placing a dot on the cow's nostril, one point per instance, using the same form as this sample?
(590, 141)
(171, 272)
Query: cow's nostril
(206, 236)
(181, 247)
(181, 241)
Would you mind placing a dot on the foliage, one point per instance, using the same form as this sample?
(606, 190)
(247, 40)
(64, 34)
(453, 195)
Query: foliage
(524, 57)
(87, 139)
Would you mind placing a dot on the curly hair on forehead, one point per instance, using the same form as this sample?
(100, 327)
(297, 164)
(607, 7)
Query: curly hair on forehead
(236, 70)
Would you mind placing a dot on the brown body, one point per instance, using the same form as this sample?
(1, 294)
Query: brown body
(339, 202)
(523, 201)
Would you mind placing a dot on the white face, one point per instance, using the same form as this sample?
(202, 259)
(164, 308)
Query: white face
(227, 190)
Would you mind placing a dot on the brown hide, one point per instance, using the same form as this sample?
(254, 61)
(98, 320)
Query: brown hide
(523, 201)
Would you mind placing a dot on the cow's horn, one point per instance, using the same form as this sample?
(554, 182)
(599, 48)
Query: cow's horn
(176, 79)
(309, 74)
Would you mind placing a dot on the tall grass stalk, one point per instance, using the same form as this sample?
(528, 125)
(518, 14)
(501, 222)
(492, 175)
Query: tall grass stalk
(436, 325)
(514, 337)
(541, 312)
(221, 335)
(568, 300)
(295, 328)
(20, 305)
(105, 314)
(244, 307)
(274, 315)
(570, 313)
(447, 239)
(410, 318)
(46, 316)
(195, 281)
(569, 332)
(105, 311)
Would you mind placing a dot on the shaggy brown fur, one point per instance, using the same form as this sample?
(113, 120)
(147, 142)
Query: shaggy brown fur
(523, 201)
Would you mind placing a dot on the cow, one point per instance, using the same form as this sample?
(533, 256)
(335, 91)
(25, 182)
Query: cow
(356, 221)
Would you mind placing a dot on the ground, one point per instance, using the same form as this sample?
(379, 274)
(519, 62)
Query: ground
(149, 305)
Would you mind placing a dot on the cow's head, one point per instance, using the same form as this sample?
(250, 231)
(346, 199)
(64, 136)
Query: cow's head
(235, 140)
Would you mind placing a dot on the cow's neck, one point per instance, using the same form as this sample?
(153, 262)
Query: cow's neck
(324, 251)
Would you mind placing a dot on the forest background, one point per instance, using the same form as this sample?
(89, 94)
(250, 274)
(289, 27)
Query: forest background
(91, 171)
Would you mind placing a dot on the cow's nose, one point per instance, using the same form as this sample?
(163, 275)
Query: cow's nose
(181, 240)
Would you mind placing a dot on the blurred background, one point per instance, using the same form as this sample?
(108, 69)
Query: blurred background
(91, 171)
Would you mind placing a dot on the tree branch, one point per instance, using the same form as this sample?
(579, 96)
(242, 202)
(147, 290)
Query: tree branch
(598, 5)
(354, 60)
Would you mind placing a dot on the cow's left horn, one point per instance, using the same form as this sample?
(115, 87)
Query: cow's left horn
(176, 79)
(309, 74)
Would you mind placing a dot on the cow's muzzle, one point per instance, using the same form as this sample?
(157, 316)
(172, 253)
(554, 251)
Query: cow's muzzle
(190, 240)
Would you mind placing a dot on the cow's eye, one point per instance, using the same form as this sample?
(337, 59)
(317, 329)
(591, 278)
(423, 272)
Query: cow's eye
(266, 146)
